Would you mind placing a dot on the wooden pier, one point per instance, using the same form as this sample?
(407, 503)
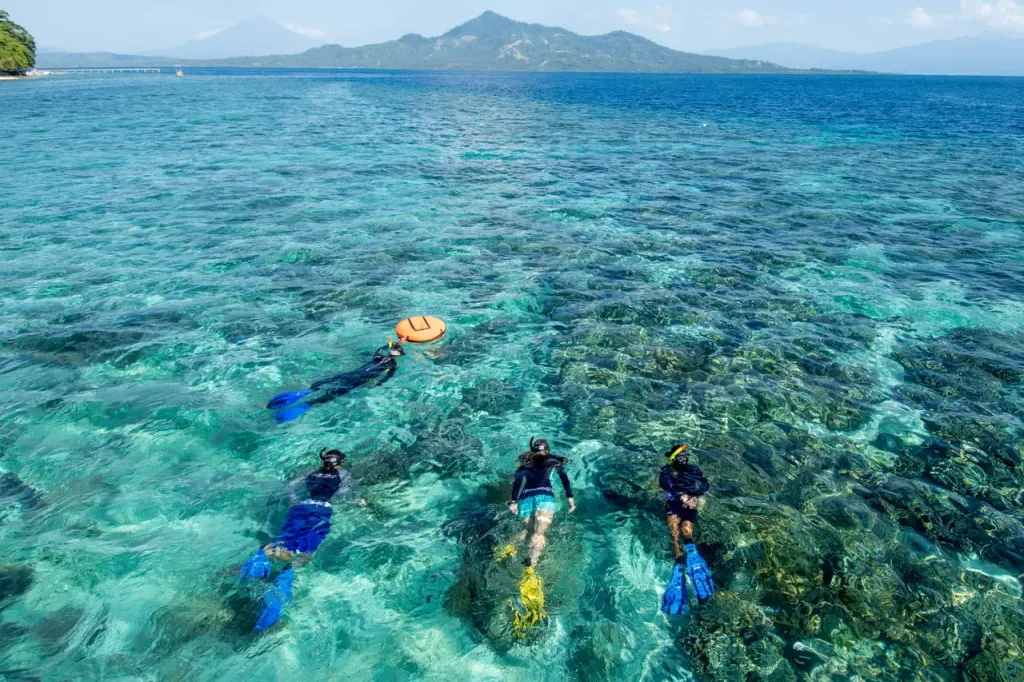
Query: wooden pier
(92, 72)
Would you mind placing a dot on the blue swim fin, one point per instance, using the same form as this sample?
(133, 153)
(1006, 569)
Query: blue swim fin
(700, 574)
(276, 599)
(674, 600)
(291, 413)
(257, 566)
(285, 399)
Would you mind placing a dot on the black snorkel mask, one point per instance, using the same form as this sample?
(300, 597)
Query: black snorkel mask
(540, 451)
(332, 459)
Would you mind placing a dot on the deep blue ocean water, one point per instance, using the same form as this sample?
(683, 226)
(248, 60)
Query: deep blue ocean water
(816, 281)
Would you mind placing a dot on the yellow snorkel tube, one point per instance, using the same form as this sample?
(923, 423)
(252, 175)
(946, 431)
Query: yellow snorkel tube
(672, 454)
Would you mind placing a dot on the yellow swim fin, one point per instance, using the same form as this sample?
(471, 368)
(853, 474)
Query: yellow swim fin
(531, 593)
(502, 553)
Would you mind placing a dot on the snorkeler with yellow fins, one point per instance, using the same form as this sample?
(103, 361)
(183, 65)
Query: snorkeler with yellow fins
(533, 501)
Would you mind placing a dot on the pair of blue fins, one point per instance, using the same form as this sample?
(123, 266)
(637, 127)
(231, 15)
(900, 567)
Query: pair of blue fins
(674, 601)
(277, 595)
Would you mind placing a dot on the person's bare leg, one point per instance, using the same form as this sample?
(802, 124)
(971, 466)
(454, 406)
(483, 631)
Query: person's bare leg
(526, 529)
(687, 528)
(673, 527)
(278, 552)
(541, 522)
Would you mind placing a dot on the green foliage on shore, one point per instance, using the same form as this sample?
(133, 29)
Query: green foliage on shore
(17, 47)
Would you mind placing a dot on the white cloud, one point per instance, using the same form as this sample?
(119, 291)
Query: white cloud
(918, 17)
(655, 19)
(753, 19)
(206, 34)
(923, 20)
(303, 31)
(998, 14)
(628, 15)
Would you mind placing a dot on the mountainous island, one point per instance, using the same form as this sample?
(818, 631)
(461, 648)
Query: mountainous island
(988, 54)
(489, 42)
(262, 33)
(17, 47)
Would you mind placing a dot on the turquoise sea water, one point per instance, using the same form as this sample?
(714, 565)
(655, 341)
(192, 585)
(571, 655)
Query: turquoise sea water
(817, 282)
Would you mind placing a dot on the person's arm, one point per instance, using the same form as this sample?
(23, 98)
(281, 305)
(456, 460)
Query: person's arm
(296, 489)
(564, 478)
(517, 489)
(518, 484)
(345, 485)
(388, 373)
(346, 489)
(567, 487)
(698, 483)
(666, 480)
(693, 487)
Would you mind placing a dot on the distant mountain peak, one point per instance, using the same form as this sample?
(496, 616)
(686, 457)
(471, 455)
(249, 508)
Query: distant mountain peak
(413, 39)
(255, 36)
(487, 24)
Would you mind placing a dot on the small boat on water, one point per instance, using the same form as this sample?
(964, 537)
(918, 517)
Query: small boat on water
(178, 72)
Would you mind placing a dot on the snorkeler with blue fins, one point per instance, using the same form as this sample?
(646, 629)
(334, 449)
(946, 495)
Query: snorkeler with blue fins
(306, 526)
(684, 484)
(378, 370)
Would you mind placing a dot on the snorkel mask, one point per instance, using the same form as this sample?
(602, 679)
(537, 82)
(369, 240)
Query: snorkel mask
(332, 458)
(677, 455)
(395, 350)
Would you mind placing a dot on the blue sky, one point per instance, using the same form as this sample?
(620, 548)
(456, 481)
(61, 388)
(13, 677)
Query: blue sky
(693, 25)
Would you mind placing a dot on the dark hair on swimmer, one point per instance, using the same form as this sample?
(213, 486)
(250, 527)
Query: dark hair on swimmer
(678, 454)
(332, 457)
(539, 445)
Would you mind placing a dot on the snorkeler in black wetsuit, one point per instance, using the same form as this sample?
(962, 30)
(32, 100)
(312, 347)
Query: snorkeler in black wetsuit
(684, 484)
(381, 367)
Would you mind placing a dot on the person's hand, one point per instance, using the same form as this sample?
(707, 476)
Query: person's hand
(688, 501)
(362, 502)
(513, 507)
(572, 505)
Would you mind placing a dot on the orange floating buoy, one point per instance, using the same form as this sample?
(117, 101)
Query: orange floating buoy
(421, 329)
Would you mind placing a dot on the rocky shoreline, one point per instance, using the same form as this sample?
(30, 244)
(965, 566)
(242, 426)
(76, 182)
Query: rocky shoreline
(34, 73)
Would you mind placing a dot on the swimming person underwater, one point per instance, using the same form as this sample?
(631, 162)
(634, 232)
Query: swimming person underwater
(381, 367)
(306, 526)
(684, 485)
(533, 499)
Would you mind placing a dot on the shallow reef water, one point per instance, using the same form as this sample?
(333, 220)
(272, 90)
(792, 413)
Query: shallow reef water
(817, 282)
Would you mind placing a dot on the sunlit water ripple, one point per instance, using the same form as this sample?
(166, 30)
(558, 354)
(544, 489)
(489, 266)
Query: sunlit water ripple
(816, 281)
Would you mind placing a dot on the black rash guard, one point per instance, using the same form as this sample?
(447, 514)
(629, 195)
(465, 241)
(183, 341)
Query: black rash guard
(323, 485)
(689, 480)
(381, 368)
(535, 479)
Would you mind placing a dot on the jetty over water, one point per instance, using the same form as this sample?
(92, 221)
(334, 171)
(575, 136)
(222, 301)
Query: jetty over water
(91, 72)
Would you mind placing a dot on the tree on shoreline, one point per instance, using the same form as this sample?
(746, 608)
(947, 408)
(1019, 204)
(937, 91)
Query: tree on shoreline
(17, 47)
